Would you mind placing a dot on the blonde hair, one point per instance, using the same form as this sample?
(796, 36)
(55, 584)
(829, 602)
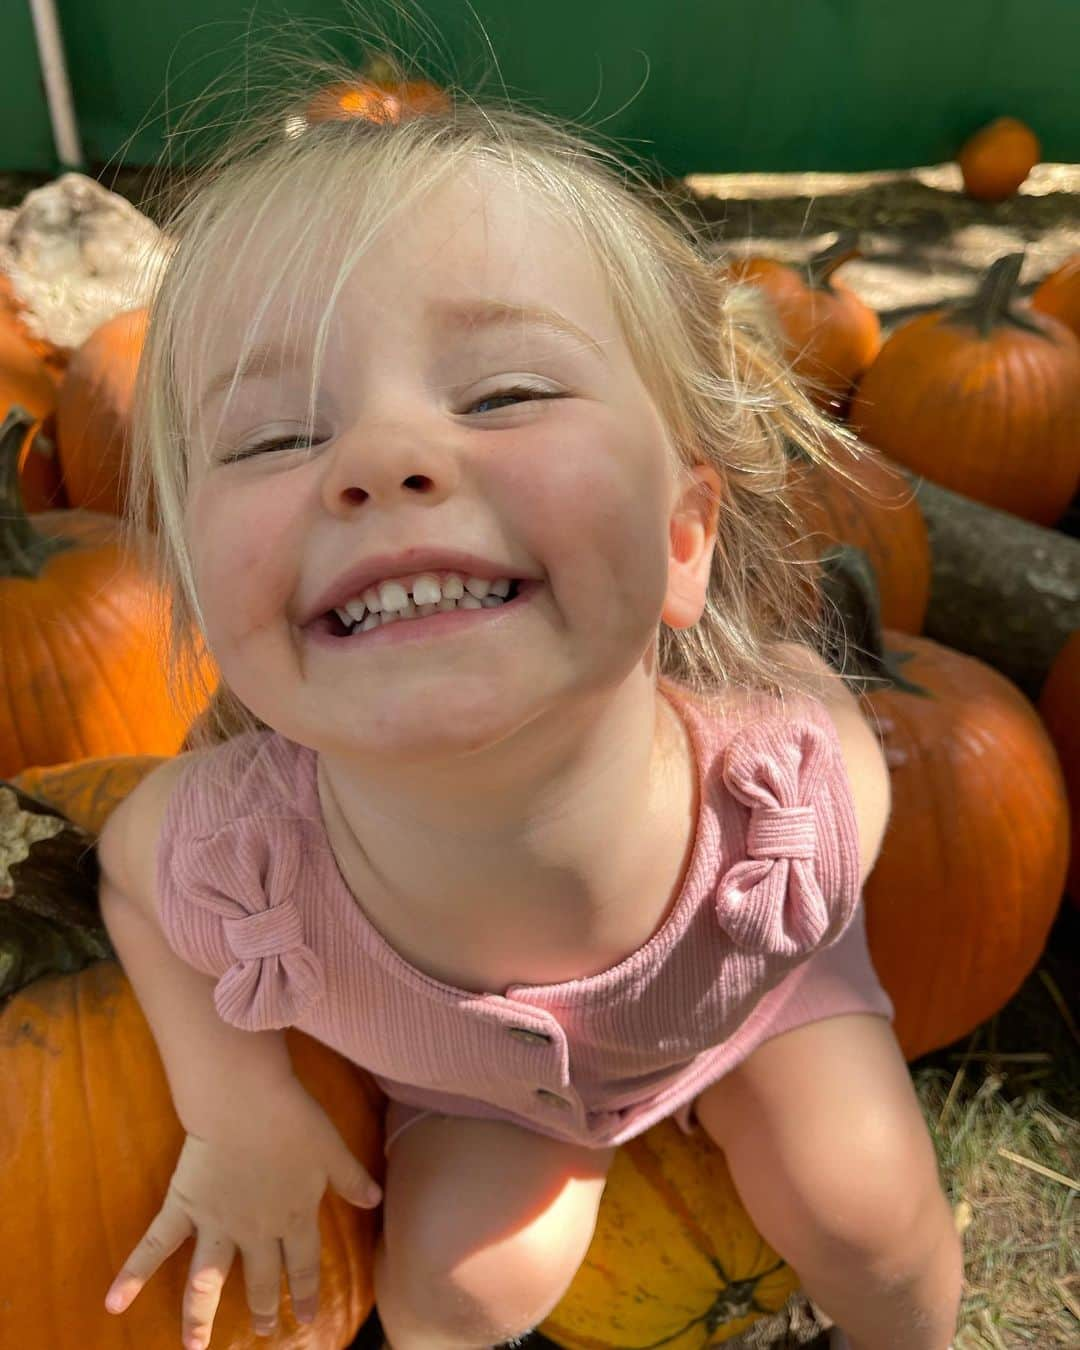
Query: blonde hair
(706, 350)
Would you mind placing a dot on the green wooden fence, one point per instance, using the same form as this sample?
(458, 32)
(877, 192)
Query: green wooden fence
(697, 85)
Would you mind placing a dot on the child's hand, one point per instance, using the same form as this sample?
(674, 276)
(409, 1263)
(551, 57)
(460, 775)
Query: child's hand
(259, 1194)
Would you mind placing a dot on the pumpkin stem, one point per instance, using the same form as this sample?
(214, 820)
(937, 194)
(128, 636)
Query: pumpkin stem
(992, 302)
(382, 69)
(23, 551)
(822, 265)
(856, 644)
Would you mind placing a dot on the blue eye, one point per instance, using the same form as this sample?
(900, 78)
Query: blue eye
(515, 394)
(277, 443)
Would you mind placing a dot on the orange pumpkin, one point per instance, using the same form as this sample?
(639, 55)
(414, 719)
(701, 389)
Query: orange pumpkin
(89, 1139)
(1059, 705)
(874, 509)
(1059, 294)
(971, 870)
(82, 666)
(380, 94)
(831, 335)
(982, 398)
(93, 413)
(997, 159)
(27, 383)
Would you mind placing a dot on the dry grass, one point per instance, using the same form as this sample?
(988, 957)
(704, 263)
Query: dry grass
(1021, 1280)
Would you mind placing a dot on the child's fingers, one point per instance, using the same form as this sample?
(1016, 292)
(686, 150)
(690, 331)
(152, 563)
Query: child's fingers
(303, 1249)
(262, 1280)
(351, 1179)
(169, 1230)
(210, 1264)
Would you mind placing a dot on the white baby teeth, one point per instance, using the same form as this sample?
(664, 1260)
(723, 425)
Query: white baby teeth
(426, 590)
(453, 588)
(393, 595)
(478, 586)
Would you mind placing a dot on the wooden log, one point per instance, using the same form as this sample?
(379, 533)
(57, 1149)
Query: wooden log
(1002, 589)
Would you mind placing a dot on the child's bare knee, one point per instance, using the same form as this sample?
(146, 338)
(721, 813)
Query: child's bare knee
(496, 1291)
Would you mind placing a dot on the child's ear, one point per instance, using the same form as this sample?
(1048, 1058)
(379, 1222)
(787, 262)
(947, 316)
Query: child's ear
(692, 538)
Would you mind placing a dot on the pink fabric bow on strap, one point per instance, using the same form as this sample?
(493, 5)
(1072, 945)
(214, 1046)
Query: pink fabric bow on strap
(239, 876)
(772, 903)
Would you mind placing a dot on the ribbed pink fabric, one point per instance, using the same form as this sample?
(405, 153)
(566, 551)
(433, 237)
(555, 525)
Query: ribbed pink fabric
(766, 934)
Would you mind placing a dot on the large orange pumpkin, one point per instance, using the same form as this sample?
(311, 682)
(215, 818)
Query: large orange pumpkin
(88, 1142)
(82, 664)
(970, 875)
(997, 159)
(869, 504)
(1059, 294)
(831, 335)
(1059, 705)
(93, 413)
(982, 398)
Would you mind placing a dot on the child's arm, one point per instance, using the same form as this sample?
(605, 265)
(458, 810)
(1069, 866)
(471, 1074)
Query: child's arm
(260, 1150)
(212, 1067)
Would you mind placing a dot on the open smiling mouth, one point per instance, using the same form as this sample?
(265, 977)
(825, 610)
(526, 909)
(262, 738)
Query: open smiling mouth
(338, 628)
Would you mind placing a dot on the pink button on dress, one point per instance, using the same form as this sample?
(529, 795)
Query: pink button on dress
(767, 934)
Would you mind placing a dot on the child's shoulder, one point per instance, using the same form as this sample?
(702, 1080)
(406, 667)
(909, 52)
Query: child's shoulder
(862, 776)
(208, 786)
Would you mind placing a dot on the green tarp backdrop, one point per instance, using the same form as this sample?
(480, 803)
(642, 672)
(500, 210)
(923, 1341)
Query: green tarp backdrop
(696, 85)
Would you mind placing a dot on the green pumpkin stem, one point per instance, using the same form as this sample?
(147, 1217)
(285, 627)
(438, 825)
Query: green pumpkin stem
(23, 551)
(991, 305)
(855, 644)
(822, 265)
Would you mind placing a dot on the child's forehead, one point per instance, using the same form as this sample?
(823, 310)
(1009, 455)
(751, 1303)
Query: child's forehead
(480, 234)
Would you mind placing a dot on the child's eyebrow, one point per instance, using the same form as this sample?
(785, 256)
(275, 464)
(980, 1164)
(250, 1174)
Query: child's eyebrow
(269, 359)
(471, 315)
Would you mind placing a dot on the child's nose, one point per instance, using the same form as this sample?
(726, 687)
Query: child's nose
(387, 464)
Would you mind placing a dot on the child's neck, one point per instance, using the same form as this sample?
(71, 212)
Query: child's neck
(562, 822)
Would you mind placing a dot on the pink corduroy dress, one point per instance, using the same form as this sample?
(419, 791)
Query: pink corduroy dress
(766, 934)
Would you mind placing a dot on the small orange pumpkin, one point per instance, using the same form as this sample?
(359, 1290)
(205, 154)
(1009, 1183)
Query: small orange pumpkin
(831, 335)
(997, 159)
(1059, 705)
(380, 94)
(82, 666)
(982, 398)
(1059, 294)
(93, 413)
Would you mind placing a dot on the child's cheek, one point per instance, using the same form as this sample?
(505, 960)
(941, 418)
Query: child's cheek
(245, 569)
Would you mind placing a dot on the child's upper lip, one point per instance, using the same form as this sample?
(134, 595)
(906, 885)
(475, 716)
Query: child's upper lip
(383, 566)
